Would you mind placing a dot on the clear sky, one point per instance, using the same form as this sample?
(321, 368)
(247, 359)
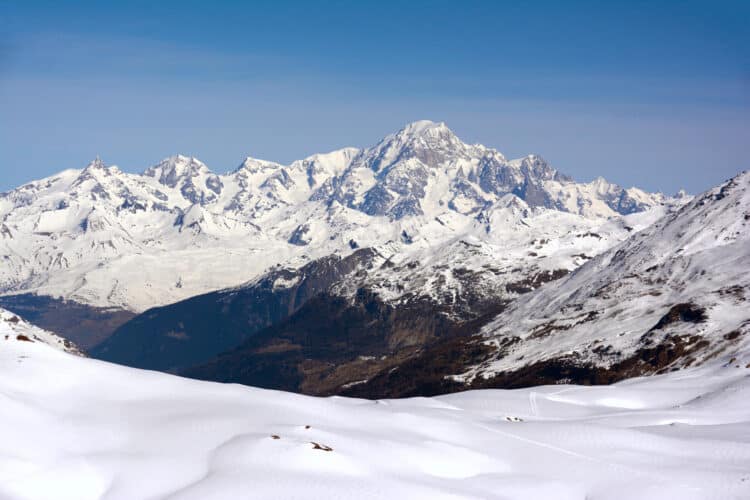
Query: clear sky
(646, 93)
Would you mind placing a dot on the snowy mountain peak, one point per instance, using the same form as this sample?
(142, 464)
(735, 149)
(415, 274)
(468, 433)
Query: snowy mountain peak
(256, 165)
(429, 142)
(96, 163)
(536, 168)
(94, 174)
(171, 170)
(425, 127)
(601, 185)
(322, 167)
(335, 159)
(427, 132)
(192, 177)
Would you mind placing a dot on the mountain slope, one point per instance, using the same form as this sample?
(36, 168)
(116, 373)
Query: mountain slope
(195, 330)
(14, 329)
(680, 284)
(86, 326)
(671, 296)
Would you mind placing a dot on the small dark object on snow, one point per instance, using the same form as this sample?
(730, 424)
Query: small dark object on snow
(317, 446)
(24, 338)
(274, 436)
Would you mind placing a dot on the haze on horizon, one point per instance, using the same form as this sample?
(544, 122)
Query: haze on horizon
(654, 95)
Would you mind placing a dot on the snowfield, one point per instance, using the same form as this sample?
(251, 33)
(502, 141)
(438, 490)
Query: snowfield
(79, 429)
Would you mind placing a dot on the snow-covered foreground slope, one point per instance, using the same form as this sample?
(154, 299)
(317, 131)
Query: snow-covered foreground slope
(76, 428)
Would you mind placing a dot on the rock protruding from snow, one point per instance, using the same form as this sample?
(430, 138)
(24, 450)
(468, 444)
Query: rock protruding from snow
(15, 329)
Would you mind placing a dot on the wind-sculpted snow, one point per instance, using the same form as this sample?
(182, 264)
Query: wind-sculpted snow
(674, 295)
(80, 429)
(103, 237)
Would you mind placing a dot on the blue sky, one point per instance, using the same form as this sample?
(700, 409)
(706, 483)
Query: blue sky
(653, 94)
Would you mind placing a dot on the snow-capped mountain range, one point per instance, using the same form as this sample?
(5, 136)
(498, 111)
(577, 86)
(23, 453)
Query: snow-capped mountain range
(671, 295)
(107, 238)
(412, 267)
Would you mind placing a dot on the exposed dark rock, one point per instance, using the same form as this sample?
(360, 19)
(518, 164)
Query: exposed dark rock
(407, 206)
(376, 201)
(534, 282)
(132, 204)
(687, 312)
(732, 335)
(299, 235)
